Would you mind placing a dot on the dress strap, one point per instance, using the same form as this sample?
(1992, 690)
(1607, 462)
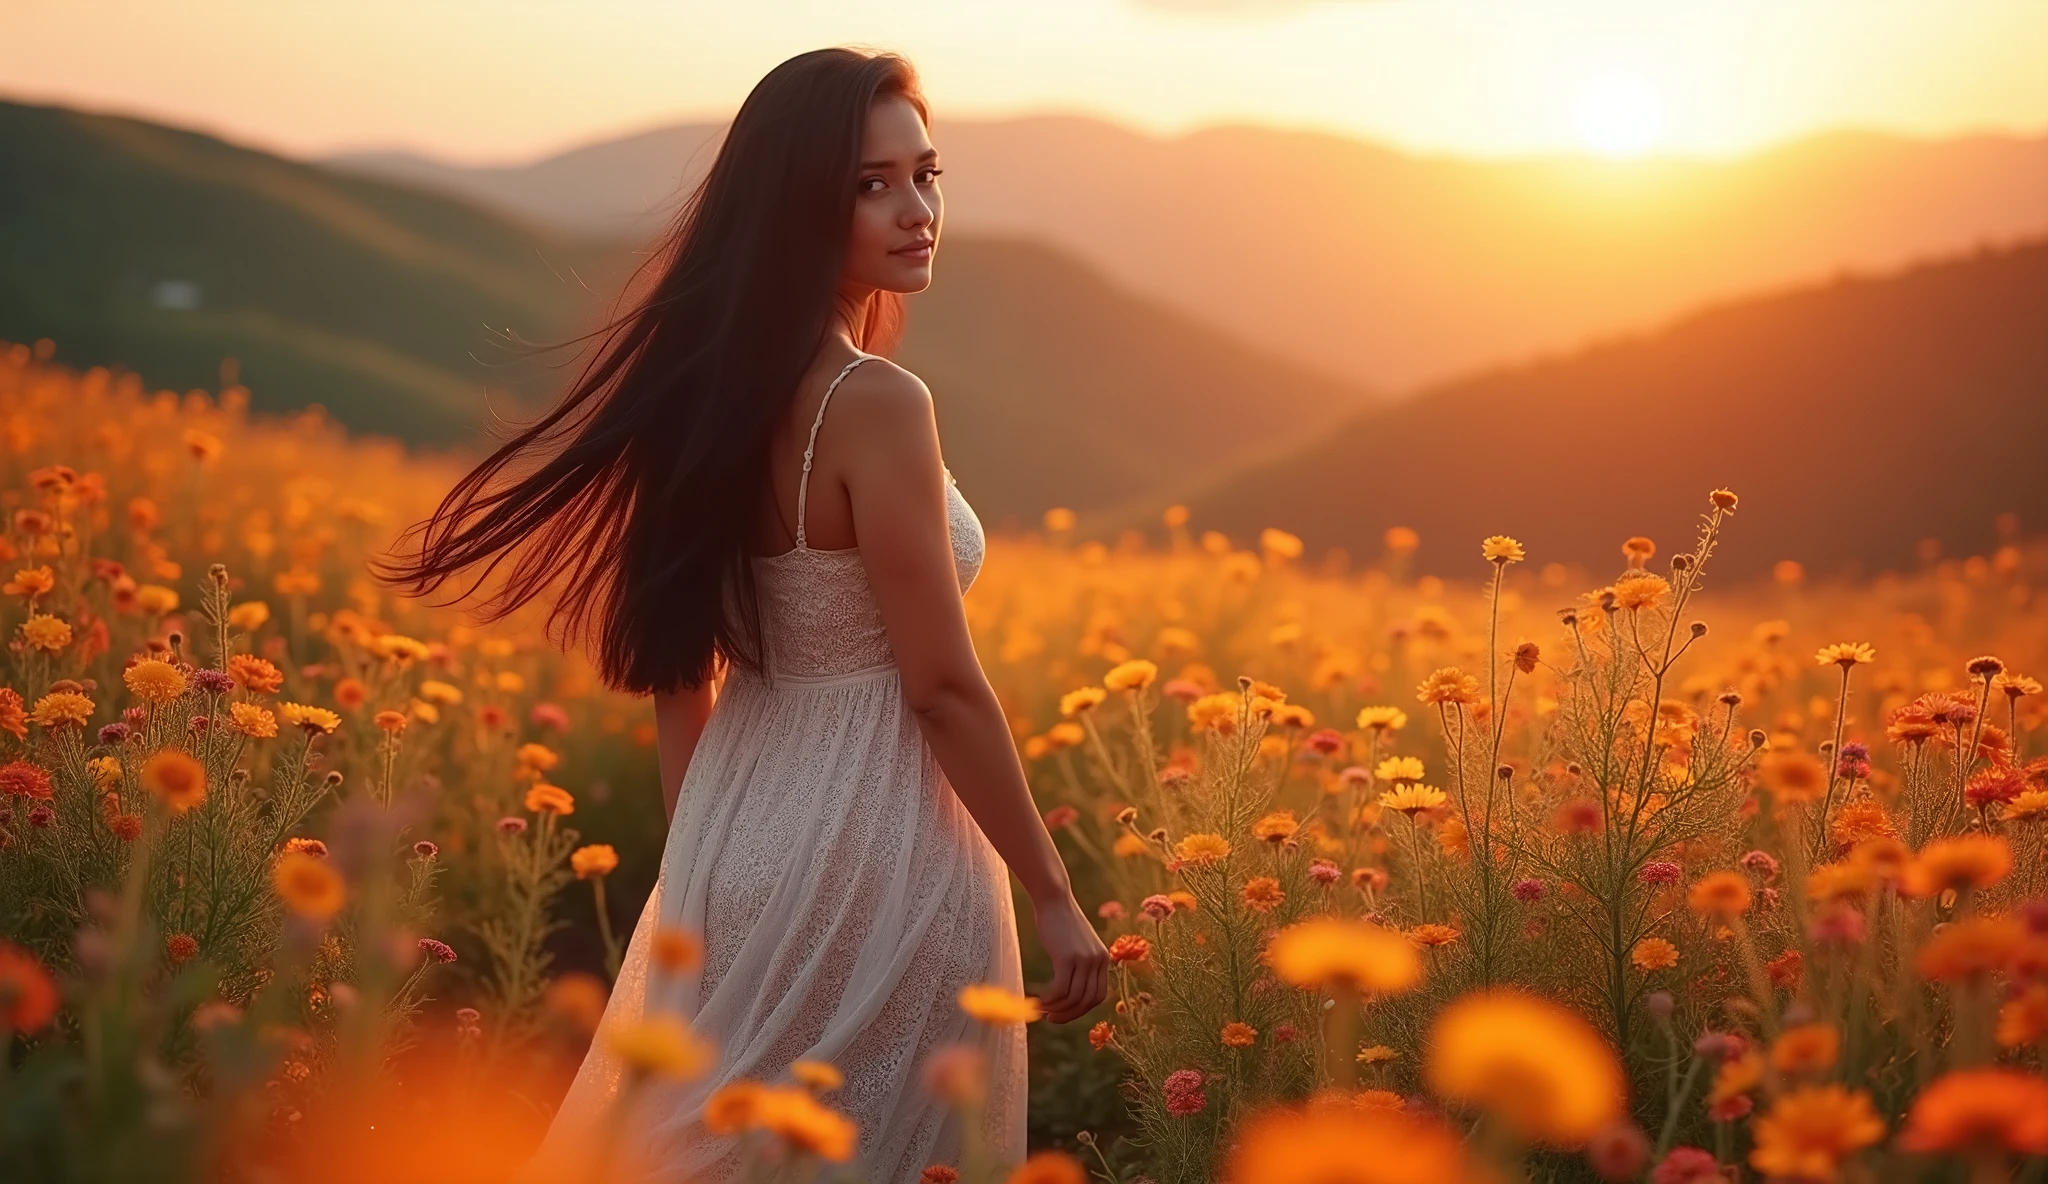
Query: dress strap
(803, 485)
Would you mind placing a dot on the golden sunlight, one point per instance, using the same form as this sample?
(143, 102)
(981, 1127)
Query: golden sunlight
(1618, 116)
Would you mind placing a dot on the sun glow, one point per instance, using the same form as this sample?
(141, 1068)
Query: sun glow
(1618, 116)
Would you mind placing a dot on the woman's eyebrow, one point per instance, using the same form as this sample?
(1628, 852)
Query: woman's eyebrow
(927, 154)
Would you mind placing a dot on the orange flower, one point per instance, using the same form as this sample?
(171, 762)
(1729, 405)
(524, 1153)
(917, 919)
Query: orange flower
(308, 886)
(1330, 951)
(1202, 849)
(154, 680)
(1448, 685)
(1809, 1132)
(1958, 863)
(597, 859)
(28, 995)
(30, 583)
(1048, 1167)
(24, 780)
(314, 721)
(1358, 1144)
(662, 1046)
(174, 778)
(1972, 1111)
(1969, 948)
(1536, 1067)
(1793, 776)
(349, 693)
(389, 721)
(1262, 894)
(1720, 894)
(1845, 654)
(1134, 675)
(675, 950)
(252, 721)
(1276, 827)
(1805, 1049)
(550, 799)
(62, 709)
(255, 674)
(1129, 947)
(1237, 1034)
(1432, 935)
(1654, 953)
(2023, 1020)
(992, 1004)
(1639, 590)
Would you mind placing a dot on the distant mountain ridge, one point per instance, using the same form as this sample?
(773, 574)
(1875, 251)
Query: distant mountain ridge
(1854, 418)
(163, 251)
(1393, 269)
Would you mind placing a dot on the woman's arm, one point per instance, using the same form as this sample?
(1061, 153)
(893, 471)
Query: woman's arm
(678, 721)
(895, 486)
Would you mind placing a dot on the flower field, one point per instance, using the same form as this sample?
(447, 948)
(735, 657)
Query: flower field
(1520, 872)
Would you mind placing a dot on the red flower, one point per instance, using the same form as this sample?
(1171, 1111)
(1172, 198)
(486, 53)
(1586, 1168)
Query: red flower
(23, 780)
(1129, 948)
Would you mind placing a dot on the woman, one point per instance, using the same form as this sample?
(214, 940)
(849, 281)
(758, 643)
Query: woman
(842, 808)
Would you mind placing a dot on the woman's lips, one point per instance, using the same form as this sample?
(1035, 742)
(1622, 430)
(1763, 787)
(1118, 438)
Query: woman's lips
(918, 251)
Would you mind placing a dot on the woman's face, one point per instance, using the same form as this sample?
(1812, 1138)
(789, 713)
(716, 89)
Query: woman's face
(896, 206)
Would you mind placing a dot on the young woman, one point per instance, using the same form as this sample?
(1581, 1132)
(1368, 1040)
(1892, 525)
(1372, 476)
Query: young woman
(742, 484)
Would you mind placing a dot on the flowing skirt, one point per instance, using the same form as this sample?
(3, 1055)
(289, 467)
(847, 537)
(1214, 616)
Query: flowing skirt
(844, 895)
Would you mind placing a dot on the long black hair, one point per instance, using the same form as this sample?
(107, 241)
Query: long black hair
(636, 493)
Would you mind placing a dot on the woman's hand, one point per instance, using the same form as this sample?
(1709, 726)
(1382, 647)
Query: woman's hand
(1080, 966)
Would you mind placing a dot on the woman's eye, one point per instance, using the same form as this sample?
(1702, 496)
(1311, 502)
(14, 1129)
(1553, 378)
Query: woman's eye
(872, 184)
(927, 176)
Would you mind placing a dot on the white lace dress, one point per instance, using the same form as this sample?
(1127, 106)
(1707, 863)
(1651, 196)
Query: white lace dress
(843, 893)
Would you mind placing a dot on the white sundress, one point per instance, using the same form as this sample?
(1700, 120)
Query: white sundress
(843, 893)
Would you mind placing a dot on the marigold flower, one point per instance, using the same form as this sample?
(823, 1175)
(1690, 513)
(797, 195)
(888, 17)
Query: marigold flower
(1845, 654)
(1640, 590)
(1654, 953)
(1081, 699)
(313, 847)
(1134, 675)
(314, 721)
(1101, 1036)
(1238, 1034)
(1501, 550)
(1535, 1066)
(1448, 685)
(30, 583)
(1995, 785)
(1412, 799)
(1262, 894)
(1969, 948)
(675, 950)
(1367, 1142)
(255, 674)
(1202, 849)
(1382, 719)
(1432, 935)
(597, 859)
(1806, 1049)
(62, 709)
(1954, 864)
(661, 1046)
(28, 995)
(994, 1004)
(550, 799)
(1807, 1133)
(1129, 947)
(1720, 894)
(1334, 952)
(154, 680)
(156, 600)
(2023, 1019)
(41, 631)
(1128, 845)
(392, 722)
(308, 886)
(252, 721)
(349, 693)
(174, 778)
(1975, 1111)
(2031, 806)
(1376, 1054)
(23, 780)
(1793, 776)
(576, 1000)
(1276, 827)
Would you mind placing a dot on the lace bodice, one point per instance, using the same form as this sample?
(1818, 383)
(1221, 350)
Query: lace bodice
(818, 615)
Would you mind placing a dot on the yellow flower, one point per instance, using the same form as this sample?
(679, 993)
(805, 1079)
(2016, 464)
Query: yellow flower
(803, 1123)
(308, 886)
(156, 600)
(1333, 952)
(46, 633)
(1448, 685)
(1292, 715)
(1654, 953)
(1639, 590)
(661, 1046)
(313, 720)
(440, 693)
(1412, 799)
(2028, 807)
(61, 709)
(1502, 550)
(550, 799)
(296, 581)
(248, 616)
(1376, 1054)
(252, 721)
(1134, 675)
(154, 680)
(1809, 1132)
(1218, 711)
(817, 1076)
(106, 772)
(1076, 701)
(399, 648)
(1391, 719)
(175, 779)
(597, 859)
(993, 1004)
(1399, 768)
(1534, 1066)
(1202, 849)
(30, 582)
(1845, 654)
(1128, 845)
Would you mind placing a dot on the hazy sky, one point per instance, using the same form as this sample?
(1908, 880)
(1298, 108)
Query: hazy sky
(509, 79)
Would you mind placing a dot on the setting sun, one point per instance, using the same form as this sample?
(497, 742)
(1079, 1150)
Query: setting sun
(1618, 116)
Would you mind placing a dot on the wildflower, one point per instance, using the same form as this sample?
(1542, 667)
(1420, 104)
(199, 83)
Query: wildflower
(154, 680)
(1846, 654)
(1761, 864)
(1134, 675)
(1688, 1165)
(392, 722)
(1660, 871)
(126, 827)
(2030, 806)
(550, 799)
(1399, 768)
(1500, 550)
(597, 859)
(1382, 719)
(1448, 685)
(397, 647)
(1526, 656)
(1082, 699)
(1957, 863)
(1721, 894)
(1654, 953)
(23, 780)
(1430, 936)
(1533, 1065)
(1376, 1054)
(1969, 948)
(156, 600)
(1529, 891)
(1786, 969)
(13, 719)
(1262, 894)
(440, 693)
(1184, 1096)
(1156, 906)
(349, 693)
(42, 817)
(1580, 816)
(308, 886)
(1202, 849)
(1638, 551)
(439, 951)
(174, 778)
(248, 616)
(1048, 1167)
(252, 721)
(46, 633)
(662, 1046)
(426, 849)
(1640, 590)
(1217, 712)
(992, 1004)
(314, 721)
(1793, 776)
(1618, 1151)
(62, 709)
(675, 950)
(1128, 845)
(179, 948)
(2023, 1019)
(1971, 1112)
(1060, 816)
(313, 847)
(1858, 821)
(1237, 1034)
(1805, 1049)
(1363, 1143)
(1290, 715)
(255, 674)
(1809, 1132)
(2016, 686)
(28, 995)
(1997, 784)
(511, 828)
(1329, 951)
(1101, 1035)
(30, 583)
(1129, 947)
(1412, 799)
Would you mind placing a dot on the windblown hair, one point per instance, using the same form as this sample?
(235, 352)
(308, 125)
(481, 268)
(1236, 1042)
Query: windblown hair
(637, 491)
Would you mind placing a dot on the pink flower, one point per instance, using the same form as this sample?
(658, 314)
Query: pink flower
(1060, 816)
(1324, 742)
(510, 827)
(1761, 864)
(1529, 891)
(1660, 871)
(1286, 1034)
(1687, 1165)
(1110, 910)
(1157, 906)
(1182, 689)
(426, 849)
(439, 951)
(468, 1015)
(1323, 872)
(548, 715)
(1184, 1094)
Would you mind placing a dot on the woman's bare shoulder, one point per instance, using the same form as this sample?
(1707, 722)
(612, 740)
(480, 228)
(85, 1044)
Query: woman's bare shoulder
(882, 405)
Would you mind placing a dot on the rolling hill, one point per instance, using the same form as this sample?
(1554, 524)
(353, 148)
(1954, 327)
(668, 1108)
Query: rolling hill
(1854, 418)
(1395, 269)
(164, 251)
